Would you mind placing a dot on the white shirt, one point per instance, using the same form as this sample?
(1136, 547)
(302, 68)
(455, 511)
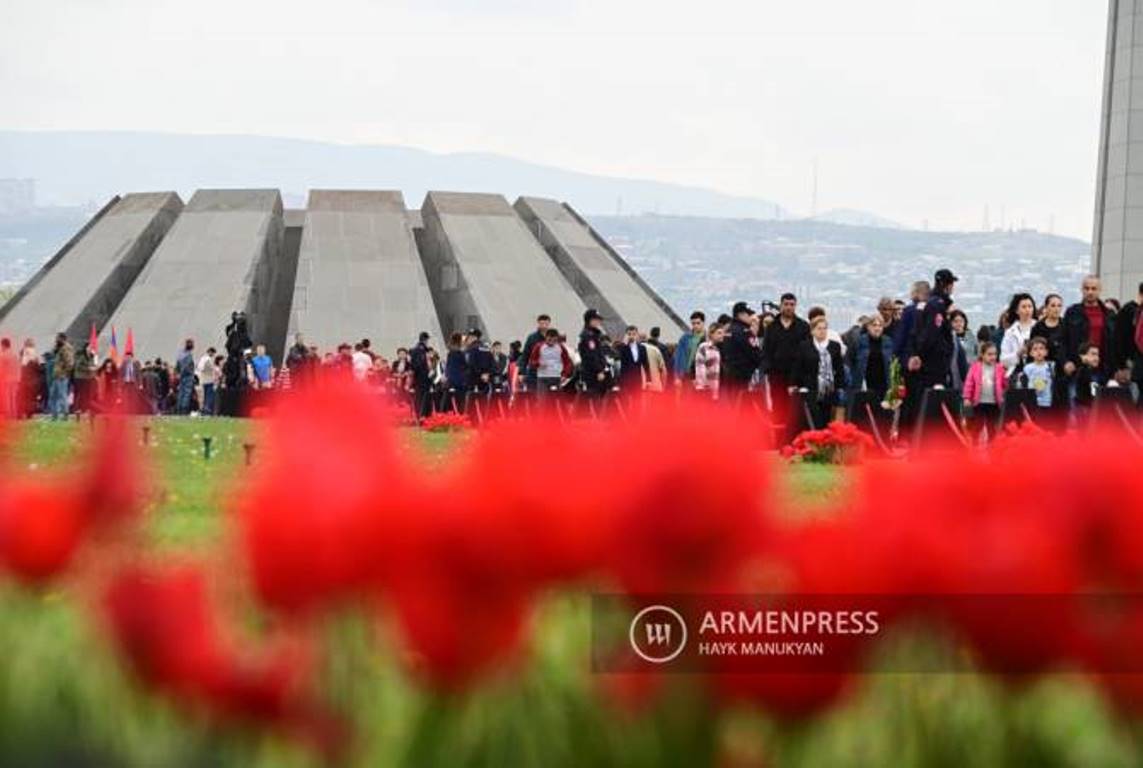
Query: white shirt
(634, 350)
(361, 365)
(206, 369)
(1012, 346)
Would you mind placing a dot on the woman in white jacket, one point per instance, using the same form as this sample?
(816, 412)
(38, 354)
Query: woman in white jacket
(1021, 319)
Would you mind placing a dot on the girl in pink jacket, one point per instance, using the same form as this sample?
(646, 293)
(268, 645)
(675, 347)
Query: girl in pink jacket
(984, 389)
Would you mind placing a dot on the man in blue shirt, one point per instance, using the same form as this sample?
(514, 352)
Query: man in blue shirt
(263, 368)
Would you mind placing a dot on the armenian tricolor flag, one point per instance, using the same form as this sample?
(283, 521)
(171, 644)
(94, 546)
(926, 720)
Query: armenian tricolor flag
(113, 353)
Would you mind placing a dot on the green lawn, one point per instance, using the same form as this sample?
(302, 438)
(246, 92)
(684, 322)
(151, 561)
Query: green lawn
(62, 697)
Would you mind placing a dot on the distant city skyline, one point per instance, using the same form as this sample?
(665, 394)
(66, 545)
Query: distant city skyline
(916, 112)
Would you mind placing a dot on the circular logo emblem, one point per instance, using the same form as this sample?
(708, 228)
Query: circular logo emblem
(658, 634)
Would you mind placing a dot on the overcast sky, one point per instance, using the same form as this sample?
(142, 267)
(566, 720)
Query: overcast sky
(914, 109)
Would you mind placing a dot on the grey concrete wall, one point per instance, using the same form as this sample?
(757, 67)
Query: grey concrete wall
(359, 274)
(598, 274)
(1117, 245)
(223, 254)
(486, 269)
(88, 279)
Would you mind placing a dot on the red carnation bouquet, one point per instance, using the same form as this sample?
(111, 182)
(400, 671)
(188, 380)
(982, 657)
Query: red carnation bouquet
(446, 421)
(839, 443)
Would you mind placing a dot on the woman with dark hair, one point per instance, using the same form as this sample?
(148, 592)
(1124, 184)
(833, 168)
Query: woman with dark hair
(1051, 328)
(1021, 317)
(107, 385)
(456, 375)
(964, 348)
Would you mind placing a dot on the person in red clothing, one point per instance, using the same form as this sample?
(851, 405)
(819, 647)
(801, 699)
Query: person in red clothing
(551, 362)
(1089, 322)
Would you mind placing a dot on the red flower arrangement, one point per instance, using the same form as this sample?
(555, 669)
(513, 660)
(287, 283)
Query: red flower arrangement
(446, 421)
(839, 443)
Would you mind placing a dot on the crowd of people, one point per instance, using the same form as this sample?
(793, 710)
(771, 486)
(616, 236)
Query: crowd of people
(804, 368)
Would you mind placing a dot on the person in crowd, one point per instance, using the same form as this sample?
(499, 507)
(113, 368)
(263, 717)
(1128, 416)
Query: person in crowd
(904, 347)
(1089, 379)
(984, 390)
(130, 371)
(819, 371)
(552, 363)
(816, 312)
(301, 362)
(634, 366)
(499, 368)
(780, 350)
(1050, 327)
(83, 381)
(207, 376)
(515, 364)
(1112, 305)
(263, 368)
(107, 385)
(367, 348)
(1021, 320)
(656, 363)
(185, 365)
(595, 369)
(850, 338)
(933, 349)
(870, 358)
(708, 362)
(741, 352)
(1129, 333)
(361, 364)
(63, 366)
(683, 364)
(543, 323)
(401, 371)
(478, 363)
(456, 374)
(887, 309)
(1089, 321)
(964, 349)
(654, 339)
(1039, 373)
(9, 379)
(422, 370)
(32, 375)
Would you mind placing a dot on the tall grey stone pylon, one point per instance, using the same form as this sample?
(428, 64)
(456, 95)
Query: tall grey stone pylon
(1117, 242)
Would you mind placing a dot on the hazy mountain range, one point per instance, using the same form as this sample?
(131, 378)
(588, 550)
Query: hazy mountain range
(81, 167)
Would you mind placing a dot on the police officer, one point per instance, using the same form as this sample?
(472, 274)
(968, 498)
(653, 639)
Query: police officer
(595, 370)
(934, 341)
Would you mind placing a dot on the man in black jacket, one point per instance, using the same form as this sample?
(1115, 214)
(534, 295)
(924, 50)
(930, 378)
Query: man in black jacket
(422, 384)
(934, 344)
(1129, 343)
(543, 322)
(595, 370)
(634, 368)
(478, 363)
(1090, 321)
(741, 355)
(780, 345)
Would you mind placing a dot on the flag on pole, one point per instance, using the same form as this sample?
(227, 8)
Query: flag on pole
(129, 347)
(93, 341)
(113, 353)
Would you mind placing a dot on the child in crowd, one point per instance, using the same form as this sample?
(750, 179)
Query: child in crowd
(1040, 373)
(1088, 381)
(708, 361)
(984, 389)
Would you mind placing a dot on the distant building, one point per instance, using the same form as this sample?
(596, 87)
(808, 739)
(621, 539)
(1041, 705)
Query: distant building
(1117, 242)
(17, 195)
